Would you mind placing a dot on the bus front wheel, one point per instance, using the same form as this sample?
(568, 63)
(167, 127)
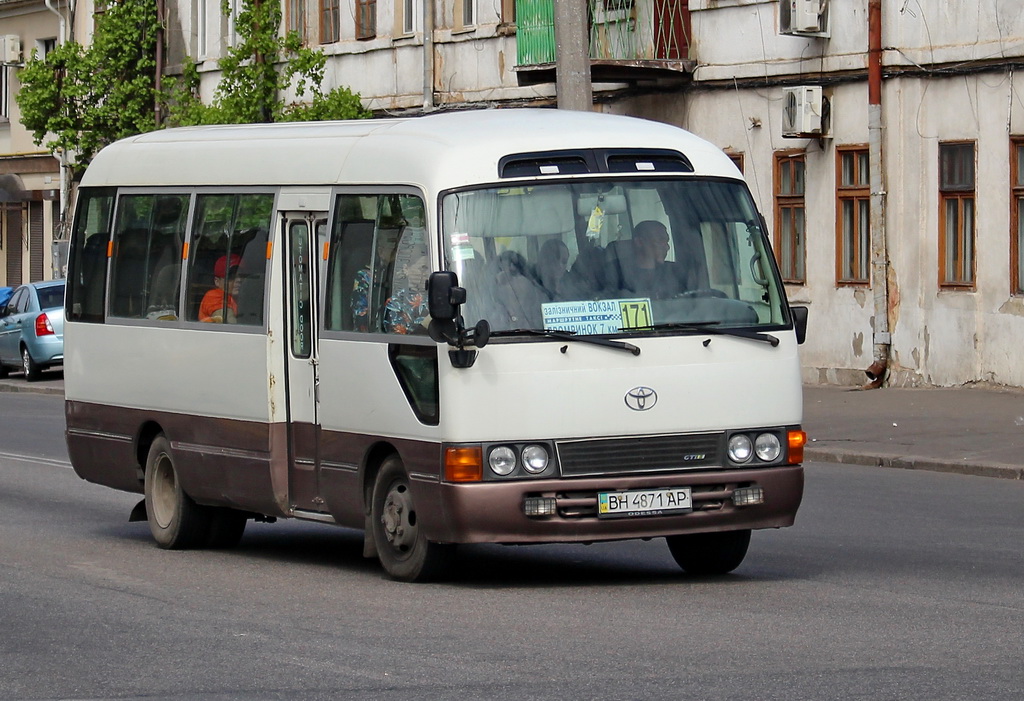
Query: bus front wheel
(709, 553)
(403, 549)
(175, 521)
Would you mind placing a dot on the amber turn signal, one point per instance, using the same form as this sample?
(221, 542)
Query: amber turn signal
(463, 464)
(797, 440)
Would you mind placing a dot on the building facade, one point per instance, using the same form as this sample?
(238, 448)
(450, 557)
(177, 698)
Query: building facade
(29, 174)
(897, 211)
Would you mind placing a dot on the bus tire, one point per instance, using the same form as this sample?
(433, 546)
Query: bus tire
(709, 553)
(176, 522)
(402, 548)
(226, 527)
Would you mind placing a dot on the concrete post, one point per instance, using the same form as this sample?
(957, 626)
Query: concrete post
(572, 56)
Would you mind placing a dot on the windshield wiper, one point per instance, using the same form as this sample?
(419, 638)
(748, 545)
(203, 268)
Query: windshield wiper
(570, 336)
(709, 327)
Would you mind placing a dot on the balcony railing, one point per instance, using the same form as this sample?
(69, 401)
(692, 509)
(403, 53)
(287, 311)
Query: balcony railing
(630, 40)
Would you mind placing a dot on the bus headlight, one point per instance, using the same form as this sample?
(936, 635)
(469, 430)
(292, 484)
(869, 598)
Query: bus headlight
(535, 459)
(740, 448)
(768, 447)
(502, 460)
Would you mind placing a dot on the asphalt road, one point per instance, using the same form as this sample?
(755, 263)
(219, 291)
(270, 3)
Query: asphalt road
(893, 585)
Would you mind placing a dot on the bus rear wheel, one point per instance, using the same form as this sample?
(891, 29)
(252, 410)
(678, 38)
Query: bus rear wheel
(709, 553)
(403, 549)
(175, 521)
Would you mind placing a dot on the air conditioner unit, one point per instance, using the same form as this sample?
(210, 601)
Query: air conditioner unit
(10, 48)
(804, 17)
(802, 111)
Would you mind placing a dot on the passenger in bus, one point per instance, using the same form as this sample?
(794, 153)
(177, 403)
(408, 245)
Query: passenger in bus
(552, 267)
(219, 304)
(518, 292)
(405, 310)
(639, 267)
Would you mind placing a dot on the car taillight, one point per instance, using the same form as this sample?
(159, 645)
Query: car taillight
(43, 327)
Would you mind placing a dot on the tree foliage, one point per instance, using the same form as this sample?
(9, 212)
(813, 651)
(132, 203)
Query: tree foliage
(78, 99)
(256, 72)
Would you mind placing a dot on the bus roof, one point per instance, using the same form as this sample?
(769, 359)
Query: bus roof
(436, 152)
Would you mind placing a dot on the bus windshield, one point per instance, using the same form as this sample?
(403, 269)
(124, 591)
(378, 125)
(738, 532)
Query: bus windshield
(612, 256)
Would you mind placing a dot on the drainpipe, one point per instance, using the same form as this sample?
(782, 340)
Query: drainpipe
(882, 340)
(62, 225)
(428, 55)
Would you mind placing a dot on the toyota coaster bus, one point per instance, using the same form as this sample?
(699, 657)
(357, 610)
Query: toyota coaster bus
(498, 326)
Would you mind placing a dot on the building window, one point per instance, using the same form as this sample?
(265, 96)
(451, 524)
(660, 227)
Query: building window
(366, 19)
(295, 18)
(468, 13)
(790, 231)
(853, 225)
(330, 21)
(201, 27)
(45, 46)
(508, 11)
(737, 160)
(1017, 215)
(956, 215)
(410, 15)
(5, 94)
(232, 14)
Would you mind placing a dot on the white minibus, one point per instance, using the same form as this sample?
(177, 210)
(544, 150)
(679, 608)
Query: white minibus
(496, 326)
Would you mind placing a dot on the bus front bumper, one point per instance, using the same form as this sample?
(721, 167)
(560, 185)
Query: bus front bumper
(493, 512)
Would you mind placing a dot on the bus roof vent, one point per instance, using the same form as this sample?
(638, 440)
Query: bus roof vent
(553, 163)
(653, 161)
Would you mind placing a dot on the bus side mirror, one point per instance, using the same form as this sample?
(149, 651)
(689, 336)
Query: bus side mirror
(799, 323)
(444, 295)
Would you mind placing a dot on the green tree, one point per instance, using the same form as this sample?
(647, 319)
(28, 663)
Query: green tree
(256, 71)
(79, 99)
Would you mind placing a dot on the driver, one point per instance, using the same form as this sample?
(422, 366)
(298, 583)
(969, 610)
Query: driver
(639, 266)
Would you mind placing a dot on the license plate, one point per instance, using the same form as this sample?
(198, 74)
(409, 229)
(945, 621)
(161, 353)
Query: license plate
(644, 502)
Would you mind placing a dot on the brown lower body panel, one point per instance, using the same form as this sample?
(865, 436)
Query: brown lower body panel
(220, 462)
(492, 512)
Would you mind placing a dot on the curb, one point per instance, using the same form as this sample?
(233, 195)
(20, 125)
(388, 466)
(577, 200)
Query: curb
(30, 388)
(912, 462)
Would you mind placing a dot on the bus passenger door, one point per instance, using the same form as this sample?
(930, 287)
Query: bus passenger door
(301, 231)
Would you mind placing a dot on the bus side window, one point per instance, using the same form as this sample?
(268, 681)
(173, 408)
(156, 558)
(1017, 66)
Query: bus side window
(87, 267)
(228, 258)
(147, 256)
(378, 248)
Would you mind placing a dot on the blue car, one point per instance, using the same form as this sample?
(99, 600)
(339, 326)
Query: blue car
(32, 329)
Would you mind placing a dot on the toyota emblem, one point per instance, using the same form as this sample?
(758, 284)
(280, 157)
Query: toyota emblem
(641, 398)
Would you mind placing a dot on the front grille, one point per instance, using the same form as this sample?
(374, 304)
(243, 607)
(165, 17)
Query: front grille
(624, 456)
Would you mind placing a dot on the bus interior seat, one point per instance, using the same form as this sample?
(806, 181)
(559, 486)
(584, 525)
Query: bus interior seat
(252, 272)
(130, 274)
(94, 265)
(354, 250)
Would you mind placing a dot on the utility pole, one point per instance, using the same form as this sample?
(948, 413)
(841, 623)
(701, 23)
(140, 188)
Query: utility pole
(572, 56)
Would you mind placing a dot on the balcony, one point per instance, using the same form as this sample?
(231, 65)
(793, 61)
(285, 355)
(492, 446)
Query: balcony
(631, 41)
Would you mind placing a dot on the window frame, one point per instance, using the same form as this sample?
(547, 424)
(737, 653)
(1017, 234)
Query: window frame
(295, 18)
(1016, 215)
(366, 19)
(330, 21)
(794, 270)
(857, 194)
(961, 194)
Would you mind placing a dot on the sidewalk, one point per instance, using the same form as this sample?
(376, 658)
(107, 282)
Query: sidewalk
(967, 430)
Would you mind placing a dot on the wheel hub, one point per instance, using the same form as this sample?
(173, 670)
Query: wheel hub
(398, 519)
